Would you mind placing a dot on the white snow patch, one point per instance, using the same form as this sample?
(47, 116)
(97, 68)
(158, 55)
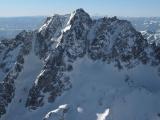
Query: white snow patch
(67, 28)
(45, 25)
(80, 109)
(57, 114)
(41, 73)
(103, 116)
(71, 16)
(58, 41)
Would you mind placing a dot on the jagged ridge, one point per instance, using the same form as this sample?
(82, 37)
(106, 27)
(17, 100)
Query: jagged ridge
(60, 42)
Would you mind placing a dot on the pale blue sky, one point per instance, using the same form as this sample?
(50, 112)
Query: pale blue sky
(94, 7)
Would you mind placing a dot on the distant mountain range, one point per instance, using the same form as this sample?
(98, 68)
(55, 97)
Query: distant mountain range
(149, 27)
(11, 26)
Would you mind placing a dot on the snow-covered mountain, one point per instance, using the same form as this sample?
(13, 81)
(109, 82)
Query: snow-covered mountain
(151, 24)
(77, 68)
(149, 27)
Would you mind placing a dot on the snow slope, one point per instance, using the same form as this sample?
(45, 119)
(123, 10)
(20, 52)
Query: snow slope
(100, 92)
(31, 69)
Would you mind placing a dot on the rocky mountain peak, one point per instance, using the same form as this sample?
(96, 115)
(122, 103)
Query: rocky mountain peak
(81, 16)
(53, 52)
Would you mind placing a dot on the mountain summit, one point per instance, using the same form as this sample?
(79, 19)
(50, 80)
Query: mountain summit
(75, 67)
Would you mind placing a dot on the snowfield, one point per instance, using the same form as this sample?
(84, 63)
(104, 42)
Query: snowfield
(99, 92)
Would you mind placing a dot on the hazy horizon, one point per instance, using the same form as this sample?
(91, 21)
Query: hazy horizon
(130, 8)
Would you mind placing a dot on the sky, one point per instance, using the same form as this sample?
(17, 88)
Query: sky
(131, 8)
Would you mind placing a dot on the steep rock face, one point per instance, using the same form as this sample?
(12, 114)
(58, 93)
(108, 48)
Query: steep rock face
(107, 39)
(116, 40)
(60, 43)
(12, 60)
(48, 34)
(72, 44)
